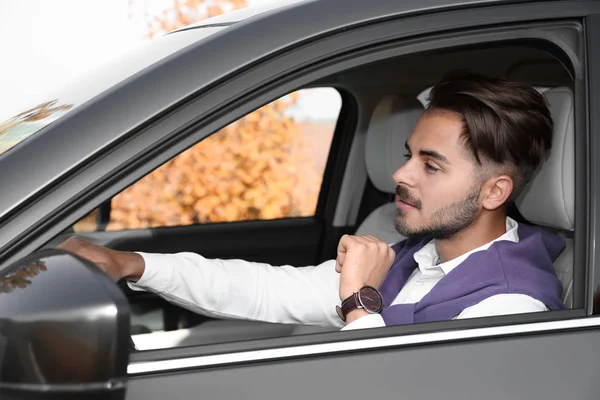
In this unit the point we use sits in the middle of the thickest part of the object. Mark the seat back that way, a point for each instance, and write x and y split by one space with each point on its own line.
549 199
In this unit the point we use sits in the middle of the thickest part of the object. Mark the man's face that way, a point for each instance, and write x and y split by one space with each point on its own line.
437 193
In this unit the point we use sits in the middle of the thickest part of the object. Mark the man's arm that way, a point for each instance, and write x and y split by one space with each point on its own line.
244 290
362 260
501 304
225 288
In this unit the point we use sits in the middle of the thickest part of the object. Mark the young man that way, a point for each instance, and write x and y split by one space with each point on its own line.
472 152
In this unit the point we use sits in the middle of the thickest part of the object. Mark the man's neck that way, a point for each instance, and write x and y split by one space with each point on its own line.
481 232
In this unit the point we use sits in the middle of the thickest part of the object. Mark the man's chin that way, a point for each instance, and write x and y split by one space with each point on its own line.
403 229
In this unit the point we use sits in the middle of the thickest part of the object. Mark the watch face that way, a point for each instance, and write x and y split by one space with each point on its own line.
370 299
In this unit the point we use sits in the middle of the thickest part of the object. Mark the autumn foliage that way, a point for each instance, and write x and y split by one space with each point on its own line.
252 169
255 168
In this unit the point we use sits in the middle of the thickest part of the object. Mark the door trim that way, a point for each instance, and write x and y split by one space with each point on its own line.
243 357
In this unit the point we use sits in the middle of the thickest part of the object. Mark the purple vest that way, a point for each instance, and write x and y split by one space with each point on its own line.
505 267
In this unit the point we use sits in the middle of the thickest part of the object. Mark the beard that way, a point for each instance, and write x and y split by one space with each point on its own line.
446 221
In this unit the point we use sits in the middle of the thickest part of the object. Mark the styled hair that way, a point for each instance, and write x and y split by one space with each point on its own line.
507 125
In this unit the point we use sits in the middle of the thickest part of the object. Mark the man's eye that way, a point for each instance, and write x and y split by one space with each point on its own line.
407 156
431 168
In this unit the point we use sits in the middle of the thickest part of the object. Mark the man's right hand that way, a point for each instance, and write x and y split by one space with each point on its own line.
116 264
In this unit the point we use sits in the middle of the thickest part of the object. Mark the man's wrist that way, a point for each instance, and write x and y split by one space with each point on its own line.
355 314
347 292
131 265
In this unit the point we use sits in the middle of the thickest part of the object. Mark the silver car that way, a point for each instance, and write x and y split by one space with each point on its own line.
67 331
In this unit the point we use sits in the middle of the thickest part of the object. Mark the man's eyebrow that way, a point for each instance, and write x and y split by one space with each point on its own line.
429 153
434 154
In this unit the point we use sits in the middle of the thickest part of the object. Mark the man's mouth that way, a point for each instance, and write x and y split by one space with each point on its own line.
404 201
404 206
398 199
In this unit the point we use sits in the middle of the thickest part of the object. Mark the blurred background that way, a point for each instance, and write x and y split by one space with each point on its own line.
267 165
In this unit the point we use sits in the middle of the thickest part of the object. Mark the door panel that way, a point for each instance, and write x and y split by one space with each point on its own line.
548 366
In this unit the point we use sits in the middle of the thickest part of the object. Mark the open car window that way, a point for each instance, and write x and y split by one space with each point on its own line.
149 333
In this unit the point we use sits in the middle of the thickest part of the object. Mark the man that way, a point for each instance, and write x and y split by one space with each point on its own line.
470 155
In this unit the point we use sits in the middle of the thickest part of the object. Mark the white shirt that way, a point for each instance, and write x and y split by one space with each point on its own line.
299 295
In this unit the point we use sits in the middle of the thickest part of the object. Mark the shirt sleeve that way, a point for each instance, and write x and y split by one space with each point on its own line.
503 304
244 290
367 321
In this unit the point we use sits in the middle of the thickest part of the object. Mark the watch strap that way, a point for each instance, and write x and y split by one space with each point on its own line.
349 304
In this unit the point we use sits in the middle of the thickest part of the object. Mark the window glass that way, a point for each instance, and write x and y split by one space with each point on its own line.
265 166
89 223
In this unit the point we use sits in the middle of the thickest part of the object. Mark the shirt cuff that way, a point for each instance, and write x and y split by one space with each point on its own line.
368 321
157 273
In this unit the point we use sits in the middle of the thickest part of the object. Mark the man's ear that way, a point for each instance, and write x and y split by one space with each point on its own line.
496 192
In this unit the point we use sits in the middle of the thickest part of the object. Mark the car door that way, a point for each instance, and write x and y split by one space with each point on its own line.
525 356
547 355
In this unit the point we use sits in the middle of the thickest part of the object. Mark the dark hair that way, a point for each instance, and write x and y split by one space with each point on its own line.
505 123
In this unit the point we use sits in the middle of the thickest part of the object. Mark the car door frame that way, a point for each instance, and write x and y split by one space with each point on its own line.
592 26
333 343
339 351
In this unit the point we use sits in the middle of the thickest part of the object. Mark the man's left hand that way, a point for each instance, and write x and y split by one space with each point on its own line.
362 260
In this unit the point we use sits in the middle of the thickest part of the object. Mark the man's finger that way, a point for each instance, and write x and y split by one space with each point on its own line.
339 261
373 239
70 244
338 267
345 241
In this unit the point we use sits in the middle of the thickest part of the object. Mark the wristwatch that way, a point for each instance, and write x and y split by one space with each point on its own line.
367 298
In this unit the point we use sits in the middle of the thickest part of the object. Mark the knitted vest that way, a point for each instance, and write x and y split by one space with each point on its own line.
505 267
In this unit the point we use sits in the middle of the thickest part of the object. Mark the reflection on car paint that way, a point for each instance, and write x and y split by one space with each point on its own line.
19 278
25 124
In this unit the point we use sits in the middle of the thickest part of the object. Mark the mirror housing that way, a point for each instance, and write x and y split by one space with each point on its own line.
64 330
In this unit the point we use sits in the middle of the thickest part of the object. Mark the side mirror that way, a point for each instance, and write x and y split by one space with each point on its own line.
64 330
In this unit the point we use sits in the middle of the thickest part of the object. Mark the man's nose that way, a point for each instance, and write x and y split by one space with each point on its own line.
404 175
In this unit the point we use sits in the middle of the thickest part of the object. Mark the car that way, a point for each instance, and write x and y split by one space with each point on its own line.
67 331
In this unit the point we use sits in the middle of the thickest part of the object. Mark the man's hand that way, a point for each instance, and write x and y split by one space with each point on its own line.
362 260
116 264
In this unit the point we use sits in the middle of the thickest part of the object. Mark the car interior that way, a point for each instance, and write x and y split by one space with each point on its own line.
389 98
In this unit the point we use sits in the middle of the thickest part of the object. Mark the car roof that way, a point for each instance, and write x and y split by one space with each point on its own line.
243 14
240 14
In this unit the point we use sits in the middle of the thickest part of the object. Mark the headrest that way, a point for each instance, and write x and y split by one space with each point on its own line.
390 127
549 199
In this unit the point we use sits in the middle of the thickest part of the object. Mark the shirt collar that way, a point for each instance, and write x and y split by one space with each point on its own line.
427 258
